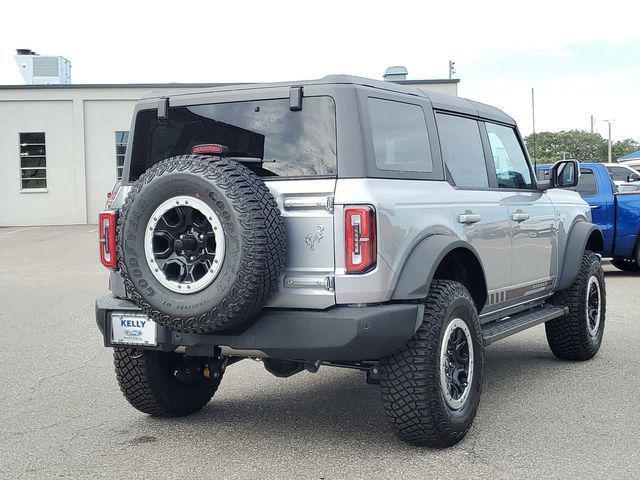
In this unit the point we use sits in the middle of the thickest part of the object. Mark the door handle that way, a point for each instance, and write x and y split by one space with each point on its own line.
520 216
595 207
469 218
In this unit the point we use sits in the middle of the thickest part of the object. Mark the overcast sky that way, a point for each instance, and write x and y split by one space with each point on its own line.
582 58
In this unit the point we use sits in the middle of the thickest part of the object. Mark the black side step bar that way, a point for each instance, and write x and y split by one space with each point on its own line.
499 329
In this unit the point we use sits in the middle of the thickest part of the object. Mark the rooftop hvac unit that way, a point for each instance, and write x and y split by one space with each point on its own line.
43 70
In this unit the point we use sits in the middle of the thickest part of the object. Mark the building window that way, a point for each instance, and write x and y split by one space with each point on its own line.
121 149
33 161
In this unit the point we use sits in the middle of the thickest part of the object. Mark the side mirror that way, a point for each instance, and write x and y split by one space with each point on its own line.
633 178
563 174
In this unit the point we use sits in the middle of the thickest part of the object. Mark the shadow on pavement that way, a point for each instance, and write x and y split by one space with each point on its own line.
332 407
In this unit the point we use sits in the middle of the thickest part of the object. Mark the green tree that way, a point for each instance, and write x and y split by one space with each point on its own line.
549 147
624 147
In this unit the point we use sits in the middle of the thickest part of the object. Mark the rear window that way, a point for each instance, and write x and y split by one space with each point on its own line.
265 135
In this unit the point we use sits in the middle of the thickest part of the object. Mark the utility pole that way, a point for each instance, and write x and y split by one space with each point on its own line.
533 121
591 123
452 69
609 141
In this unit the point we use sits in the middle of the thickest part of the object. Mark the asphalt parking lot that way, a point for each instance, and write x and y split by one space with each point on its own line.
62 414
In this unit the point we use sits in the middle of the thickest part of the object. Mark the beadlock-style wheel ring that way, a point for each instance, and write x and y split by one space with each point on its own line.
456 364
184 244
593 310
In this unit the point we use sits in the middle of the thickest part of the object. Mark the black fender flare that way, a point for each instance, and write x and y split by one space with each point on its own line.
577 241
422 263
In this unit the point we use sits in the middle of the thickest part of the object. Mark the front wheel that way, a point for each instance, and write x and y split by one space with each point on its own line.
431 387
165 384
578 335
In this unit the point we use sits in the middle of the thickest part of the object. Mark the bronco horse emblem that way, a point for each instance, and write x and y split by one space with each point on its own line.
311 239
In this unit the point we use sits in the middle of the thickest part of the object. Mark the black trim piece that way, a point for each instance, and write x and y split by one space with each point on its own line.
163 109
334 334
505 327
295 99
488 156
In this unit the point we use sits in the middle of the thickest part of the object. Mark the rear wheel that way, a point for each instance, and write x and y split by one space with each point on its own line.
578 336
431 387
166 384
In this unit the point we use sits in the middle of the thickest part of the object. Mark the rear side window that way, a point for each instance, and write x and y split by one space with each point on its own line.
587 184
512 169
265 135
462 150
620 174
400 138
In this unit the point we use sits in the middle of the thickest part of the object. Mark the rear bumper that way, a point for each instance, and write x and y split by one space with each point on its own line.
335 334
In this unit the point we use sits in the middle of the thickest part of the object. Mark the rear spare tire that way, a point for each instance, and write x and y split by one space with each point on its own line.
201 243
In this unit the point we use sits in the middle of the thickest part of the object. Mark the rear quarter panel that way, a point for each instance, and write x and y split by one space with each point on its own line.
407 211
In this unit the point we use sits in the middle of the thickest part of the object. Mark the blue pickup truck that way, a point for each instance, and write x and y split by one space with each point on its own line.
617 213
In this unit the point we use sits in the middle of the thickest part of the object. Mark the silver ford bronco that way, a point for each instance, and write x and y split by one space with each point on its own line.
339 222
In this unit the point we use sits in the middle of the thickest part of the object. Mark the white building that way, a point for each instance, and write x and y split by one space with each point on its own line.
61 146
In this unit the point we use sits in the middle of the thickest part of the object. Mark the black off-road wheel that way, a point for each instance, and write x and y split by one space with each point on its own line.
165 384
431 387
578 335
201 244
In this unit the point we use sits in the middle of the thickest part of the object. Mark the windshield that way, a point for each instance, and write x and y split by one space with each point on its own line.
265 135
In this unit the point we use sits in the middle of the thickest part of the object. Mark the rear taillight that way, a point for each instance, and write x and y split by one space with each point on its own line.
360 238
107 227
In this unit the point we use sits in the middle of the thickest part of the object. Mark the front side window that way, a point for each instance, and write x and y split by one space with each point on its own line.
511 165
121 150
400 138
33 161
264 135
462 150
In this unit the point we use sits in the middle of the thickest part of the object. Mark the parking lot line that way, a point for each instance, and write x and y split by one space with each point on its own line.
19 230
94 230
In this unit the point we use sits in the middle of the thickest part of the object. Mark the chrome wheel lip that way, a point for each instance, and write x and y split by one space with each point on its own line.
593 324
455 403
213 219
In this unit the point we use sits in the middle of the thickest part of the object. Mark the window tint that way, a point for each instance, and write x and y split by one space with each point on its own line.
512 169
587 185
265 135
462 150
400 139
619 174
33 161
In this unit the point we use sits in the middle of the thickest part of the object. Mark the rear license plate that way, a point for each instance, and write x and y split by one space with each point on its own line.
132 329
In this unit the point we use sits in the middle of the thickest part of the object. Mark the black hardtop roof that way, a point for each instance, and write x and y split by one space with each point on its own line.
440 101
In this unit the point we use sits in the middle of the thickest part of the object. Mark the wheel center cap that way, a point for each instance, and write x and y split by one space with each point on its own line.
187 244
